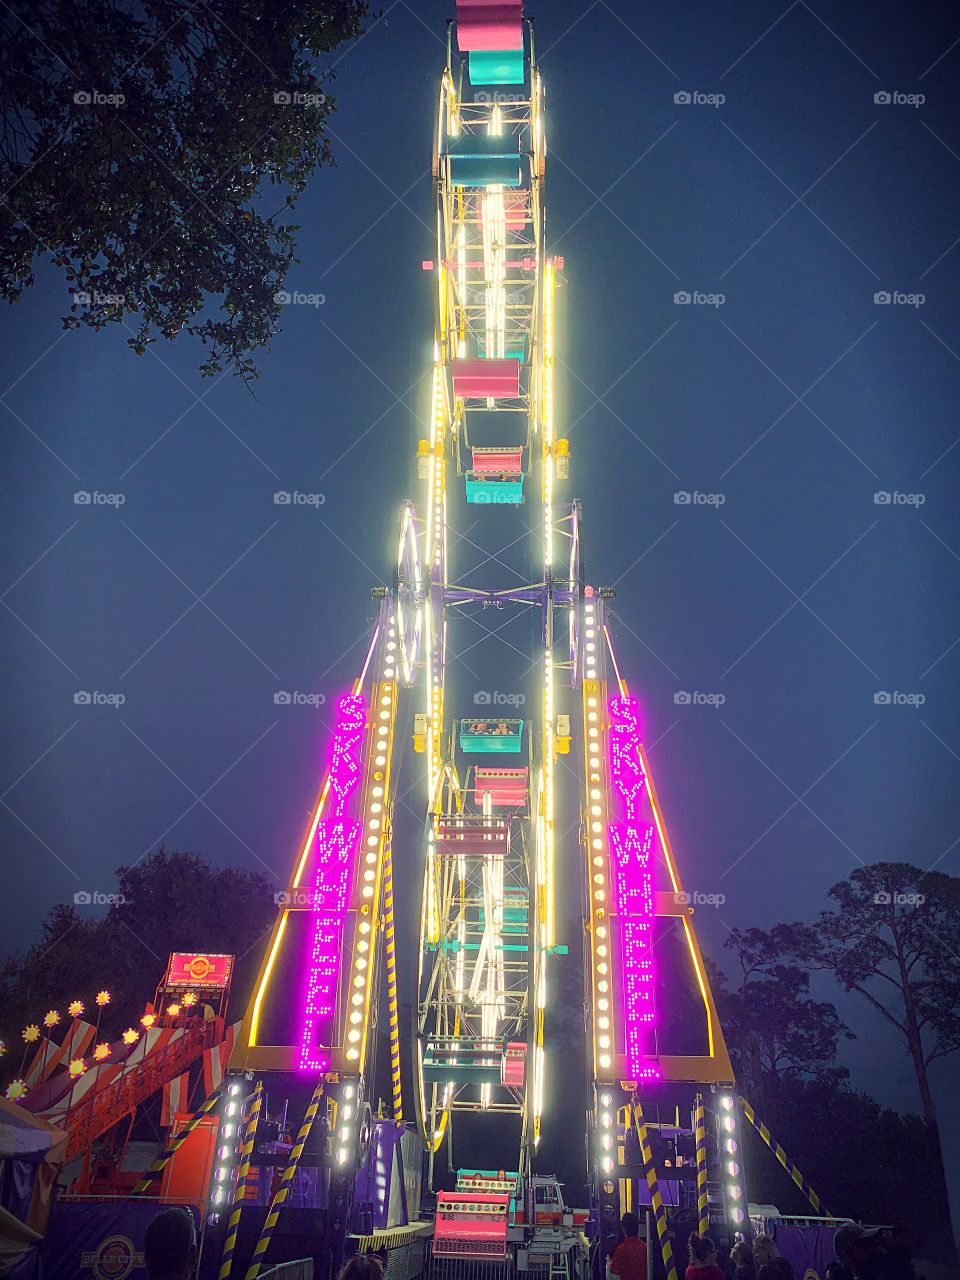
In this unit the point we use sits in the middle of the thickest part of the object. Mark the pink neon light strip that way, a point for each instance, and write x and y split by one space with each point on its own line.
338 836
632 841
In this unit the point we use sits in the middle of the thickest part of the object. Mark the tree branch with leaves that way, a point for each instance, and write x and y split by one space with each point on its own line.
139 146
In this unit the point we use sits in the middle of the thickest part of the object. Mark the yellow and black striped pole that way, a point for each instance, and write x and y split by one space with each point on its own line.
173 1146
653 1185
700 1133
390 947
239 1191
286 1181
819 1207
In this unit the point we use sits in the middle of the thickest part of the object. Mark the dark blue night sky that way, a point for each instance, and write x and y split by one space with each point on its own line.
798 598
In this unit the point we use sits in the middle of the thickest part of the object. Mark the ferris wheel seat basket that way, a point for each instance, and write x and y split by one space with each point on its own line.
482 24
513 1069
499 1181
483 159
495 67
481 379
516 210
511 352
493 171
507 787
491 736
483 490
513 915
461 1061
497 459
473 834
471 1224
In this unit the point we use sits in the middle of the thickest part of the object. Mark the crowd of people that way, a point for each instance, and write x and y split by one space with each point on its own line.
862 1253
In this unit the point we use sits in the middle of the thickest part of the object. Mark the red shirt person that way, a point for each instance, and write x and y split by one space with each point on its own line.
629 1260
703 1260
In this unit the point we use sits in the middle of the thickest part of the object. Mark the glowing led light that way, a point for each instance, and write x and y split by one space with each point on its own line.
337 838
726 1102
631 848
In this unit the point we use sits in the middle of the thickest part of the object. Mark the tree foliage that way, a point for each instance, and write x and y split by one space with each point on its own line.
139 146
894 939
773 1025
168 902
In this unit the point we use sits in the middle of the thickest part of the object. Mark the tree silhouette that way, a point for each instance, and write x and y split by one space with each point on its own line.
169 902
894 939
773 1025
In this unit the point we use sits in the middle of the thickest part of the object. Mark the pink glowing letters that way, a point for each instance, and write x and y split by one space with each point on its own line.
632 841
336 845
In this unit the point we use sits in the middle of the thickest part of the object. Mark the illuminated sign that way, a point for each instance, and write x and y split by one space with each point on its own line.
192 969
632 841
337 838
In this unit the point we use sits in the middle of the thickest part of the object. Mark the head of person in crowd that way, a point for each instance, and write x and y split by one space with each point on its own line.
742 1257
764 1250
703 1252
362 1266
170 1245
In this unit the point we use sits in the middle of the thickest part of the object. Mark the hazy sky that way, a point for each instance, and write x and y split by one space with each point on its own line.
784 397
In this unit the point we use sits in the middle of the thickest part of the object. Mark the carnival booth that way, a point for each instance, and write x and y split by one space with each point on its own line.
31 1153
